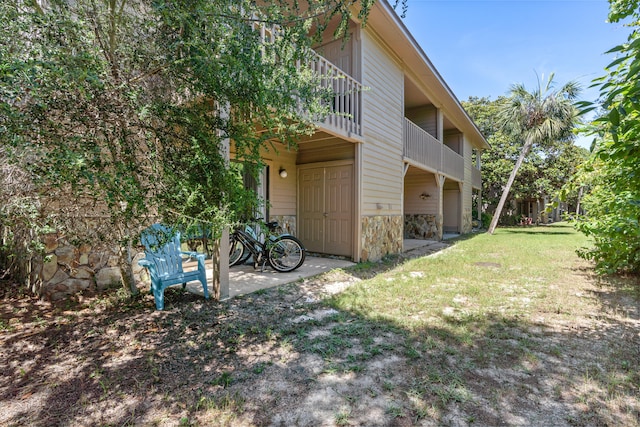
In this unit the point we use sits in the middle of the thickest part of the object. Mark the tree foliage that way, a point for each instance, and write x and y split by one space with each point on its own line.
539 117
544 171
613 172
114 112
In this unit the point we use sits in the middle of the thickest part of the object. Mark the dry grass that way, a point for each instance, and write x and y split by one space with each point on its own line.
511 329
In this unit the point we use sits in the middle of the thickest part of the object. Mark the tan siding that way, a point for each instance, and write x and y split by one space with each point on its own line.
415 185
425 117
343 54
282 191
326 151
454 141
467 189
382 122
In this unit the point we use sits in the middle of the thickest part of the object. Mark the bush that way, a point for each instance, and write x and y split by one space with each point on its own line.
486 219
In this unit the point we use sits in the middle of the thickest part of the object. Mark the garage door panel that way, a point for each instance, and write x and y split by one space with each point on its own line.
326 216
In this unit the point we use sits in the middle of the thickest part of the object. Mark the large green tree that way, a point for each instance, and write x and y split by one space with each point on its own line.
544 171
122 108
613 173
541 116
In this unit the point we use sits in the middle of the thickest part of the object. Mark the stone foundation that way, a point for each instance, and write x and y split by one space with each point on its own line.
467 221
287 222
420 226
67 270
381 235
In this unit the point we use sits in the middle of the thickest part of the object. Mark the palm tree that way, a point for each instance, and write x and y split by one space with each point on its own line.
537 117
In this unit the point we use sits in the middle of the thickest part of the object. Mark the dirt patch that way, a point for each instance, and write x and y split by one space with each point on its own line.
488 264
285 357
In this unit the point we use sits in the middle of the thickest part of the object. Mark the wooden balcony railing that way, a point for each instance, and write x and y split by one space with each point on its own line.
476 176
420 146
423 148
452 163
345 117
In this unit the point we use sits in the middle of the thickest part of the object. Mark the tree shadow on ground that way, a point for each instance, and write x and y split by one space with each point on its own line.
555 229
269 358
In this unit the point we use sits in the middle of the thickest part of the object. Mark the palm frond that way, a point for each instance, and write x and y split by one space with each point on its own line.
540 115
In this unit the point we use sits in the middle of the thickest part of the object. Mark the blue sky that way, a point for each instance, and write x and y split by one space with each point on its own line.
482 47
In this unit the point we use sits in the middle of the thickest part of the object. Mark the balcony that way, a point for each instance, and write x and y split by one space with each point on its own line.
452 163
476 176
424 150
345 118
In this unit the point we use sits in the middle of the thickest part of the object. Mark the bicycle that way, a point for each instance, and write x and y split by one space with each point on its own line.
283 253
257 229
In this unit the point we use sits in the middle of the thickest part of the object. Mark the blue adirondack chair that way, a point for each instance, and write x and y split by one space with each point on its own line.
163 259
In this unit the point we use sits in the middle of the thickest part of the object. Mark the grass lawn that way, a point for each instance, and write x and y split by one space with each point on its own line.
509 276
509 329
507 305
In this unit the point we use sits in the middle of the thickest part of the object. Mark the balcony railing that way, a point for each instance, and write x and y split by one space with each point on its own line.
452 163
424 149
420 146
476 176
345 117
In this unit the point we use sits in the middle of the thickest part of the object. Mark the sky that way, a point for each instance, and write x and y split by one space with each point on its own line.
482 47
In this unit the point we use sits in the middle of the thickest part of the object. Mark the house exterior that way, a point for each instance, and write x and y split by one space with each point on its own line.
398 159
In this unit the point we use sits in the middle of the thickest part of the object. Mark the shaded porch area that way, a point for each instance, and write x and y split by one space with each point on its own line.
243 279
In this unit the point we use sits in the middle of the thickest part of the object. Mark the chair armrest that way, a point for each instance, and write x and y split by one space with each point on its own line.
196 255
150 266
145 263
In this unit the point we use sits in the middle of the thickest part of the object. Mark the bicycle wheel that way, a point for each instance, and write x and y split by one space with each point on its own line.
286 253
237 252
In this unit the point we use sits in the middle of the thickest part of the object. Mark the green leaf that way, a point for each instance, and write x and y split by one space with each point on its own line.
617 61
615 49
614 117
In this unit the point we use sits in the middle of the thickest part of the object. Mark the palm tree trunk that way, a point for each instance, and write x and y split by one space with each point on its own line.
496 216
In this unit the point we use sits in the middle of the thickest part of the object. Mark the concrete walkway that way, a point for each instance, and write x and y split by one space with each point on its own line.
411 244
243 279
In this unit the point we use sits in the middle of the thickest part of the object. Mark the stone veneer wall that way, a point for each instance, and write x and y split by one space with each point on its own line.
287 222
420 226
67 270
467 221
381 235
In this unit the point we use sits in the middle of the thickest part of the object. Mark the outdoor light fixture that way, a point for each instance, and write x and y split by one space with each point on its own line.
424 196
282 172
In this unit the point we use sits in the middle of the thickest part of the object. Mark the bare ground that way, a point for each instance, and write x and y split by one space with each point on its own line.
283 357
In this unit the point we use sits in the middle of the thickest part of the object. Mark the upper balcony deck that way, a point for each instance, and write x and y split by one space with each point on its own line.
424 150
345 116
